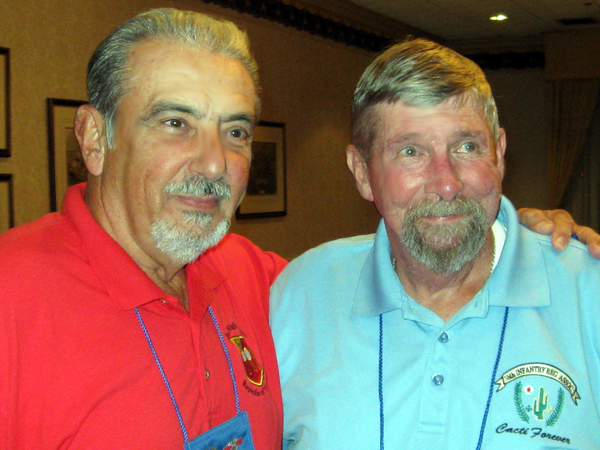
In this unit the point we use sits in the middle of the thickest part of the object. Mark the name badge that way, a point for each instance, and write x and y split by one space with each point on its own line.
235 434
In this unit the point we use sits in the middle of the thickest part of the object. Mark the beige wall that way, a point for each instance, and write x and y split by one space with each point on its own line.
307 82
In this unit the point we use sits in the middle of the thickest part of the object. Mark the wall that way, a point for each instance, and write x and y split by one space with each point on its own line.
523 100
307 82
573 54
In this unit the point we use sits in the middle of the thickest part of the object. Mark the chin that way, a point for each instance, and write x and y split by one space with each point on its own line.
185 245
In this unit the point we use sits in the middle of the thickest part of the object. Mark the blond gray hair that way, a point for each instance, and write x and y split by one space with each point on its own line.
417 72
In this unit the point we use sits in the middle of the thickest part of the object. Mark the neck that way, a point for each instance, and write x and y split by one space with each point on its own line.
445 293
175 286
168 276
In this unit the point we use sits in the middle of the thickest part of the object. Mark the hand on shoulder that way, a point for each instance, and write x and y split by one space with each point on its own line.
561 225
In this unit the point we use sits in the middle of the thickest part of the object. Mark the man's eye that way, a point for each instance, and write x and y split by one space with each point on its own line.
174 123
409 151
468 147
238 133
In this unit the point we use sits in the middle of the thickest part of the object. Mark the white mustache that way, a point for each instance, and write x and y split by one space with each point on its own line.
199 187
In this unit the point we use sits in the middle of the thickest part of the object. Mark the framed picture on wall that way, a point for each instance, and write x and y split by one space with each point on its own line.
64 158
6 203
266 193
4 102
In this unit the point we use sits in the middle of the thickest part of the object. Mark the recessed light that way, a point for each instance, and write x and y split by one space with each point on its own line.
499 17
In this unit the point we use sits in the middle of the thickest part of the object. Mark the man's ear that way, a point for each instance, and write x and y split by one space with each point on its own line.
89 130
358 167
501 150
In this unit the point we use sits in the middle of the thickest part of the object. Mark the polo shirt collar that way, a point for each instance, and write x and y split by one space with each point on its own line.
519 279
379 290
125 282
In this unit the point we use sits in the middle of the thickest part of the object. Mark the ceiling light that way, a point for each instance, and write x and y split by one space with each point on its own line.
499 17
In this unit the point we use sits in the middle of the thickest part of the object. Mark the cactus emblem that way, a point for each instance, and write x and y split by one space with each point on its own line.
531 401
540 405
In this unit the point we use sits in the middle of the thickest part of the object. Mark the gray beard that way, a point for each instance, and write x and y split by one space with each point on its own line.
183 245
445 248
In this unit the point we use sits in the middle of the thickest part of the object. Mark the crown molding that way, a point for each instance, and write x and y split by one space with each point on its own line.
337 20
360 17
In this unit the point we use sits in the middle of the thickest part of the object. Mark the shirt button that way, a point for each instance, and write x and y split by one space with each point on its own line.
437 379
443 337
207 374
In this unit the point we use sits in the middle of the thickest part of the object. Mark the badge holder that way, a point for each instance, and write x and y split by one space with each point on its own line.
235 434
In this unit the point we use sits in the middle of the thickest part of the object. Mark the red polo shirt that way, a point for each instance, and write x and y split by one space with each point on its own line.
76 369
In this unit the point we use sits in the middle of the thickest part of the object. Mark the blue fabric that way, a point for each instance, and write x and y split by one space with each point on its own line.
232 435
324 314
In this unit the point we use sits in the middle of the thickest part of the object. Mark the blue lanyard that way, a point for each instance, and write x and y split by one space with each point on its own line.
164 377
489 400
491 390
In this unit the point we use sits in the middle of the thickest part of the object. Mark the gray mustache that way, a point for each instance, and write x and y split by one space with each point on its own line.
443 208
199 186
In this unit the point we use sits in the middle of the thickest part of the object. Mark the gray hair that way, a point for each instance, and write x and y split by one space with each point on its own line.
107 69
417 72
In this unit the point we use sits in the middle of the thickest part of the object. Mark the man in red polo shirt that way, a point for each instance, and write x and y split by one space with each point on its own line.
115 333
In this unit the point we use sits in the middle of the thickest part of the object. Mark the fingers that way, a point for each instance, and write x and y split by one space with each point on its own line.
536 220
562 226
589 237
557 222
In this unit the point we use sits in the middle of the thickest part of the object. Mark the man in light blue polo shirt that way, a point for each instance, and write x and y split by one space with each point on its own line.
452 327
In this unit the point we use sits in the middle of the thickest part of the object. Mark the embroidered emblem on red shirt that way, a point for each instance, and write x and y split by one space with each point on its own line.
254 371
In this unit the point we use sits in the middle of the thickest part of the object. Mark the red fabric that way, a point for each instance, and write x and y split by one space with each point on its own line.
76 369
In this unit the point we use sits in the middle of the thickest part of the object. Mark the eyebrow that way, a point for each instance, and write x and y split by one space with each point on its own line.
481 136
461 134
240 117
162 107
159 108
400 140
406 137
469 133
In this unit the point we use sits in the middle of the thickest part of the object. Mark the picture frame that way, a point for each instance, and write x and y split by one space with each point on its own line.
266 193
4 102
65 162
7 220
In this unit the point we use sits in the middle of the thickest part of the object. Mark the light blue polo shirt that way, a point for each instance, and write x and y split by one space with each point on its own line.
437 376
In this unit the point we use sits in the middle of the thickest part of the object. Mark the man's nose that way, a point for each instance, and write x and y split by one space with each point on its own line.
443 179
209 154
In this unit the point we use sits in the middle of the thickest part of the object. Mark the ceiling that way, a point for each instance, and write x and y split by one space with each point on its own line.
464 20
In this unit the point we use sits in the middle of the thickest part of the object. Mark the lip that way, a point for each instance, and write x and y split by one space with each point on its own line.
206 203
443 220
